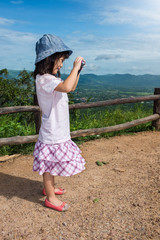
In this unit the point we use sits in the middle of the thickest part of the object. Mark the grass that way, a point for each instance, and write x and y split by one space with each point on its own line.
23 124
17 125
86 120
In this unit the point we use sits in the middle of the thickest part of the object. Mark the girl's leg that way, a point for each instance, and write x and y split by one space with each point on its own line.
48 181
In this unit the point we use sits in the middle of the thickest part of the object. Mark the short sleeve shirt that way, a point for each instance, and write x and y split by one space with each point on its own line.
55 127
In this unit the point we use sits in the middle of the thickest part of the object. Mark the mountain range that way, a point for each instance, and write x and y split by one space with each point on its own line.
110 81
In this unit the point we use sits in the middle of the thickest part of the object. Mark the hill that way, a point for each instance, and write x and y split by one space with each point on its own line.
124 81
116 81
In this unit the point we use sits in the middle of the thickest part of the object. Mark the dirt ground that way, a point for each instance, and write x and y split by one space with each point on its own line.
116 201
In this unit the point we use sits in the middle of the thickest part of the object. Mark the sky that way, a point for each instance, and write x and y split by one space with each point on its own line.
113 36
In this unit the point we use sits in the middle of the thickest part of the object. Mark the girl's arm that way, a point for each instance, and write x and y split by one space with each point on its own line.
75 85
72 80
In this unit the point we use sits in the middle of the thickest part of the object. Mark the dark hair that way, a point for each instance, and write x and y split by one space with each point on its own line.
47 64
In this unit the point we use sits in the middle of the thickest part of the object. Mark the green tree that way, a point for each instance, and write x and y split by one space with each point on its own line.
16 91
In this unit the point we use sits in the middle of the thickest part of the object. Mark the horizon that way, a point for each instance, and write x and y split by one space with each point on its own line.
114 37
93 73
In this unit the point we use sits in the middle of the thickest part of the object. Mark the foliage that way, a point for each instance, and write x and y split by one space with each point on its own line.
104 117
16 125
16 91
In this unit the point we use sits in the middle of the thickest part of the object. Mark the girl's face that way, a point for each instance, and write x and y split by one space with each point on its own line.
58 65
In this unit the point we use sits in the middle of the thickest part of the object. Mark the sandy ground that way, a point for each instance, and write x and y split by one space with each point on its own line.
116 201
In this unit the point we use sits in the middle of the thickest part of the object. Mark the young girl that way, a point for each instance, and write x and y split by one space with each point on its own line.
55 153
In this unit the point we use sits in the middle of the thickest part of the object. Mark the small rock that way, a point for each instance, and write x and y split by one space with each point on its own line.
119 169
134 204
105 162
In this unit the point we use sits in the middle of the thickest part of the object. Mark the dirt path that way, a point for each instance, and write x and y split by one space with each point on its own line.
116 201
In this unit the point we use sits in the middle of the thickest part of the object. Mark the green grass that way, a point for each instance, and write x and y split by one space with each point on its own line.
23 124
16 125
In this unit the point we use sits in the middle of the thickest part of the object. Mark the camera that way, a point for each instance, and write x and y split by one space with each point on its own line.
82 65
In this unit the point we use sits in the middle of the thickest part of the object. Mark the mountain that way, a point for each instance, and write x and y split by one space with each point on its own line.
13 73
112 81
120 81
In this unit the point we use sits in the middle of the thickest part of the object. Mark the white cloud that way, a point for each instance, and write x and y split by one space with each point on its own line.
108 57
18 38
5 21
16 2
139 50
133 46
17 49
136 51
135 54
143 15
91 68
132 16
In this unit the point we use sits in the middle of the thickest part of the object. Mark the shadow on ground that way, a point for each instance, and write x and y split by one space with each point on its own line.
13 186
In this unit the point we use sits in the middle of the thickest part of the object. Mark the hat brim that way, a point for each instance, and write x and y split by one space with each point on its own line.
48 53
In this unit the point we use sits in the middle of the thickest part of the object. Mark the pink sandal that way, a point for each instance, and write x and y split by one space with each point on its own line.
63 207
59 192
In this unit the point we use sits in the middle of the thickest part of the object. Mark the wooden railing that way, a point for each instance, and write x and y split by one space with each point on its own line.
155 117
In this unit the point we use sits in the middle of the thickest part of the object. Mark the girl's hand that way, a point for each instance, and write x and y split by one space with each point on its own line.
77 62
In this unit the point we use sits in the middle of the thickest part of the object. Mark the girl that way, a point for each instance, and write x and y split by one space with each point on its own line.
55 153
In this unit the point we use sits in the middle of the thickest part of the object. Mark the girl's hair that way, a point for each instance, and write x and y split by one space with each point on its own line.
47 64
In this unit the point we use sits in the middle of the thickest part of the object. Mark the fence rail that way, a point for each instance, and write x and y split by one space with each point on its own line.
17 109
155 118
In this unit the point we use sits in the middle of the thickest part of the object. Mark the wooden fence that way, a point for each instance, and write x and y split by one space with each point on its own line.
155 117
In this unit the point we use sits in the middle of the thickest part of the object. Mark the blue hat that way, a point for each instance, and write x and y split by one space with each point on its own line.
48 45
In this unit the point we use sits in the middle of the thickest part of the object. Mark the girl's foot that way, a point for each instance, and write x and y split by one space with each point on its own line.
56 205
57 191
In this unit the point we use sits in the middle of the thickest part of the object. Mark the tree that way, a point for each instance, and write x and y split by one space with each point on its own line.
16 91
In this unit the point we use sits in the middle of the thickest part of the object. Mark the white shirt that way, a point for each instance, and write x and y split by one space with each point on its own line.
55 127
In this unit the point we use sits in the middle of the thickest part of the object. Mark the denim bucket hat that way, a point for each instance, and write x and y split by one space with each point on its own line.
48 45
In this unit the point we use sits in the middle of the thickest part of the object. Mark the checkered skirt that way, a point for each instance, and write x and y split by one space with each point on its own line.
62 159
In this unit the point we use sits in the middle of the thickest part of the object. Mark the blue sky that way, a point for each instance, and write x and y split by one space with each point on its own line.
114 36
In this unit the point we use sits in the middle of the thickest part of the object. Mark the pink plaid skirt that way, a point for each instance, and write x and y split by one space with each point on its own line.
62 159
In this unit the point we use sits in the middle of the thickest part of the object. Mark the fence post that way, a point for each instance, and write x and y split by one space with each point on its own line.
156 109
37 115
